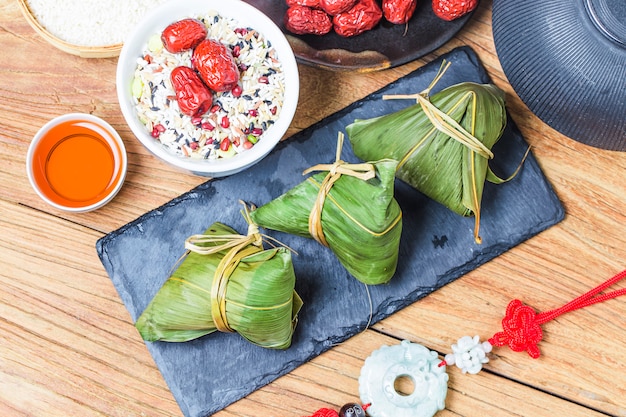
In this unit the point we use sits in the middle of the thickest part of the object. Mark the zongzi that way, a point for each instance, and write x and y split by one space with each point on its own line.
226 282
442 143
350 208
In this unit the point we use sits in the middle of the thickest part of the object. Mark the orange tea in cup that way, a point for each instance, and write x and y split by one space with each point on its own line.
77 162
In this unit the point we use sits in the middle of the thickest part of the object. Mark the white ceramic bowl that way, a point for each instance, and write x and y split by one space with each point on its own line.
76 162
247 16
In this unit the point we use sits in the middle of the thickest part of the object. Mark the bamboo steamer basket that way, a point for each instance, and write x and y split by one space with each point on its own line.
105 51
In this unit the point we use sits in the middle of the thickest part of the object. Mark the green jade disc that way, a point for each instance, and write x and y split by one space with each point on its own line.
382 369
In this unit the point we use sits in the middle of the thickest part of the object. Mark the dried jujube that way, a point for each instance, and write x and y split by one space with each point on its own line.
193 97
399 11
216 65
362 17
183 34
333 7
303 20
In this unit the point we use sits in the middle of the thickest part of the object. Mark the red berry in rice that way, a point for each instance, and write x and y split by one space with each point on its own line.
225 123
193 146
253 113
263 79
207 126
157 130
236 91
225 144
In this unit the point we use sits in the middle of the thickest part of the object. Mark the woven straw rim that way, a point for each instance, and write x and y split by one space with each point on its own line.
106 51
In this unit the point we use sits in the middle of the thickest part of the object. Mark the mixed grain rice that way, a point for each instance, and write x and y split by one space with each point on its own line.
262 80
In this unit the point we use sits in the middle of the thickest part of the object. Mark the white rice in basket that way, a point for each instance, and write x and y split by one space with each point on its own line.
242 120
90 22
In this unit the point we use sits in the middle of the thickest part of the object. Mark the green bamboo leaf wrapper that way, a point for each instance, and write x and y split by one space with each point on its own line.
431 161
361 220
261 303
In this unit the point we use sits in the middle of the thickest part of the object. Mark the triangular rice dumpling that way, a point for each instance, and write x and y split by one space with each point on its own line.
232 284
442 143
359 219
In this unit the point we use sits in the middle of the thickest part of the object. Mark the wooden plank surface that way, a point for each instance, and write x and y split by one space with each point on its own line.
68 347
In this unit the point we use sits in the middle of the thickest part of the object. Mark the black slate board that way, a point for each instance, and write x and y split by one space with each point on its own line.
437 247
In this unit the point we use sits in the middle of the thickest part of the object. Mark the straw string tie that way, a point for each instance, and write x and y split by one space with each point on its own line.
364 171
237 247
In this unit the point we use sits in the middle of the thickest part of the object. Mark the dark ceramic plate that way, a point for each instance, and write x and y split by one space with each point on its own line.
436 248
566 59
385 46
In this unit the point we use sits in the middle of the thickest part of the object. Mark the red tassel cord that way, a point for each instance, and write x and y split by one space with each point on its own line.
325 412
522 326
522 329
348 410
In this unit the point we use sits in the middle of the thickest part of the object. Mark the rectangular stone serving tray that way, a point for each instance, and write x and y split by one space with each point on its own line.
437 247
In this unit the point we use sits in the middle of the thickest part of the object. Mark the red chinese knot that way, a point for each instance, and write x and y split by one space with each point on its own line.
522 326
521 330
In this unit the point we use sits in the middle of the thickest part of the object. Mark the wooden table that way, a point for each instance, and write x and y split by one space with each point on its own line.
69 348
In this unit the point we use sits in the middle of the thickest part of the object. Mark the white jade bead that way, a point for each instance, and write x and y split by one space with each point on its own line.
469 354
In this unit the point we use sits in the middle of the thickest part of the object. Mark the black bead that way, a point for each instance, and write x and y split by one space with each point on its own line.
352 410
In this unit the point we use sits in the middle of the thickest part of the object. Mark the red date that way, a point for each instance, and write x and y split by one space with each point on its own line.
399 11
303 20
182 35
315 4
364 16
216 65
193 97
333 7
